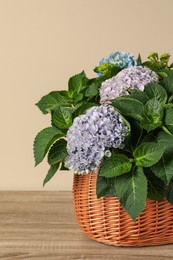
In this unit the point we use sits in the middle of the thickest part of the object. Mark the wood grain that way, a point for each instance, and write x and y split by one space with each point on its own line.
41 225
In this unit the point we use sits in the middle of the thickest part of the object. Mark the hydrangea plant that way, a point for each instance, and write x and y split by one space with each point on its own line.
118 124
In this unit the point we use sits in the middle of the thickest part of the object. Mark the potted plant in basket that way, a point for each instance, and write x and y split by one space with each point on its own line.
115 132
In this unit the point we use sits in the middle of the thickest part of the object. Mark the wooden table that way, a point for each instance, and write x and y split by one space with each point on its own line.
41 225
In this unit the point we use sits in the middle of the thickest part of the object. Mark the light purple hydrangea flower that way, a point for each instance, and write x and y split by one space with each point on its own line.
90 134
136 77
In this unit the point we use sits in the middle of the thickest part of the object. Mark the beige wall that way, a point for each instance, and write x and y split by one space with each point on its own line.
43 43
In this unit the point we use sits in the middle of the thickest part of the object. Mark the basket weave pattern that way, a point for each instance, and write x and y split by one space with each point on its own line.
104 219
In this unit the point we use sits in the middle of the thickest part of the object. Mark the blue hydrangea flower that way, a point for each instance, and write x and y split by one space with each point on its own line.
136 77
90 135
120 59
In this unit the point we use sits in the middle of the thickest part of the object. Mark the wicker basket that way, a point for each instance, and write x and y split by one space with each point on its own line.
104 219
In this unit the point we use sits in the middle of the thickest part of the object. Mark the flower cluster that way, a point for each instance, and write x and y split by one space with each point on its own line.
120 59
100 128
136 77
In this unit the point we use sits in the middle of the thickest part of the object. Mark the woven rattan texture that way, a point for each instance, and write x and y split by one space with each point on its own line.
104 219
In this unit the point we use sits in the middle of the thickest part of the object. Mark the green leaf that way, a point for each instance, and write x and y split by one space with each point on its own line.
169 192
106 69
102 68
115 165
139 95
147 125
167 83
139 59
78 97
51 172
149 138
62 117
137 129
43 141
109 72
170 100
164 168
154 90
83 108
168 120
153 56
105 187
53 100
76 84
156 187
157 63
148 154
167 72
63 168
129 107
169 105
92 90
132 192
162 74
166 130
57 152
151 65
153 113
164 59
